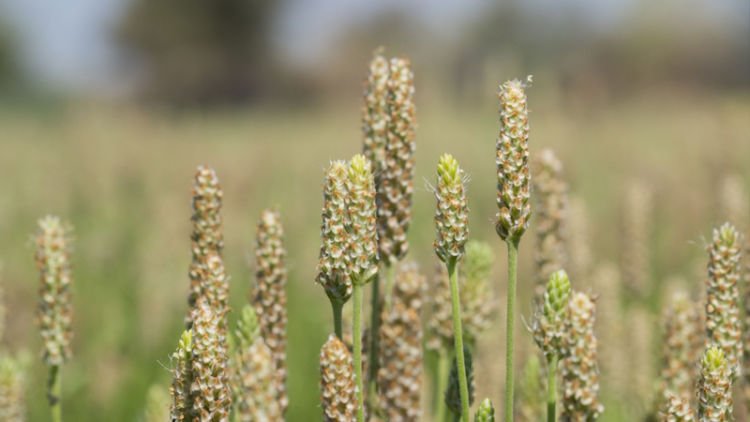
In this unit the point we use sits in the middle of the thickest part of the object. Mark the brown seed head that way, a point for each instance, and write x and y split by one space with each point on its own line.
337 386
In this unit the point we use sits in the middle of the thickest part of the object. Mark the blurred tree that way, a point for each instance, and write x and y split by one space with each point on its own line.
195 52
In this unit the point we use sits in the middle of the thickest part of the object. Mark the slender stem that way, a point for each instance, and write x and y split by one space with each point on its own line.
357 333
459 340
444 363
551 388
372 361
510 330
389 284
337 307
54 392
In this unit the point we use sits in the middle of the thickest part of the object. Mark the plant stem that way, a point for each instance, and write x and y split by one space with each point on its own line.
357 334
337 307
444 363
372 367
551 388
510 329
458 340
54 392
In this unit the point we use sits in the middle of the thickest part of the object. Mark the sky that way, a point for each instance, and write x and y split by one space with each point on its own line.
68 44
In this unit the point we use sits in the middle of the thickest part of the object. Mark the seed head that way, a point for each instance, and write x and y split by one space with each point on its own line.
12 387
677 409
513 162
549 323
333 266
452 212
375 115
363 246
551 200
723 325
400 371
485 412
255 379
55 310
181 409
580 373
269 295
636 231
715 387
395 182
337 386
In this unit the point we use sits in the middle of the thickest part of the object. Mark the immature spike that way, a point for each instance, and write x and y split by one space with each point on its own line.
551 201
55 309
337 386
333 265
453 393
723 325
181 409
636 230
400 374
452 212
580 374
12 387
157 404
363 247
682 344
485 412
396 180
269 294
210 387
677 409
255 379
715 387
512 161
548 325
375 116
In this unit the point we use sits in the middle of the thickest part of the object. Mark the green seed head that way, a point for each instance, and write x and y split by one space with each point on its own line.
557 295
549 322
363 246
247 326
485 412
452 213
715 387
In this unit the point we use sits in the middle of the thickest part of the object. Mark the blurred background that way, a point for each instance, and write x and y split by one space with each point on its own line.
107 107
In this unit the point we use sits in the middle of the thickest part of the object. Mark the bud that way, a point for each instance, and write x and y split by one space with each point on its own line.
485 412
549 324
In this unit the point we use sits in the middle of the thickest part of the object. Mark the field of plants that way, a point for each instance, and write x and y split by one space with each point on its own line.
221 265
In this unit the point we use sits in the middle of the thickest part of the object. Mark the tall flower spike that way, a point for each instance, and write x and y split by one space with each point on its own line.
206 237
255 380
215 288
210 385
333 268
677 409
513 162
636 230
400 374
723 325
55 310
485 412
551 201
396 180
375 115
683 341
181 409
452 212
269 294
715 387
12 387
337 386
580 374
363 247
549 322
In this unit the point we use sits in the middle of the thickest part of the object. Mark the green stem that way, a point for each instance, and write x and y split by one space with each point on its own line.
55 392
337 307
551 388
372 367
458 340
357 333
444 363
510 330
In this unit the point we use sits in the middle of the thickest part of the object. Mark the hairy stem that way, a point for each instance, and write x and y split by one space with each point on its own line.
510 330
444 364
357 334
54 392
551 388
337 307
458 341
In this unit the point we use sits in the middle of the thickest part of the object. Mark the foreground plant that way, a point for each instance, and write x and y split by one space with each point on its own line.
55 310
452 229
269 294
338 390
513 188
549 331
715 387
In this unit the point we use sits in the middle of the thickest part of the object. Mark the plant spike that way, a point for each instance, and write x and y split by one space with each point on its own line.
715 387
375 115
677 409
485 412
337 385
269 294
181 409
514 209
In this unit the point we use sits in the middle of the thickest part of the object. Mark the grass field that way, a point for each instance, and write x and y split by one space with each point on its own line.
122 177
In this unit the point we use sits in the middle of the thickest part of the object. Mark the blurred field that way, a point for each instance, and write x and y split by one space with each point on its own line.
122 177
